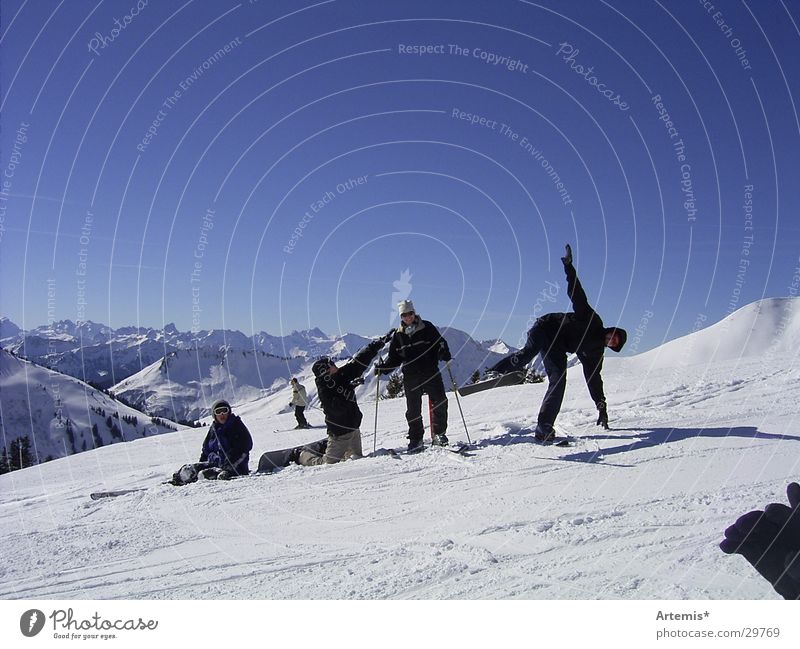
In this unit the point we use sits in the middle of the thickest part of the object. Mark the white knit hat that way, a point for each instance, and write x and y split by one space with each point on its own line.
404 306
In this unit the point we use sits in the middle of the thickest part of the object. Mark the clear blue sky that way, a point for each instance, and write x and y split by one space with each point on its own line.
161 165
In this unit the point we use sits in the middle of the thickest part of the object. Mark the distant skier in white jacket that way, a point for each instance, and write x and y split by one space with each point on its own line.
299 401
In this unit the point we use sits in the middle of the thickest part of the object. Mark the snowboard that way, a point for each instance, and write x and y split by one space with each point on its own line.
512 378
97 495
384 452
272 460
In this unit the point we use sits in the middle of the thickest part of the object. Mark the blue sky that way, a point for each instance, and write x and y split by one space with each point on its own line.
284 165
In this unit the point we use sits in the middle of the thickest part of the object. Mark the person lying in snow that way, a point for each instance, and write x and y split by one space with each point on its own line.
770 541
226 449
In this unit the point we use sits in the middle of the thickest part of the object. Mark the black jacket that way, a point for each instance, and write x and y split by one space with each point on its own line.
337 394
419 352
580 332
228 447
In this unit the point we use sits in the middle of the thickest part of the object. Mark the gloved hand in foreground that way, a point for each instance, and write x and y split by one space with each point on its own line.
770 541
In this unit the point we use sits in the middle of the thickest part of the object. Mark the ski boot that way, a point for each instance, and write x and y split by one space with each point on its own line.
542 434
415 446
440 439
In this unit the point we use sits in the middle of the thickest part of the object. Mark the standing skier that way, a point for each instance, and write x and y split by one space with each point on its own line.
418 346
556 334
336 389
299 401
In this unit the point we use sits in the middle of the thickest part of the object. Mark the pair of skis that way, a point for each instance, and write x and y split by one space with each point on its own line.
460 448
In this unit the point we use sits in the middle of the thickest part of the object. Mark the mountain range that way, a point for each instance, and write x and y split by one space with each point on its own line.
167 374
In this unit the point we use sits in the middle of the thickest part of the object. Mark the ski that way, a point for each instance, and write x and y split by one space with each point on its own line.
460 448
558 441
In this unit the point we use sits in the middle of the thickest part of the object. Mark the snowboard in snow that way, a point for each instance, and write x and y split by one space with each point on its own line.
97 495
272 460
512 378
381 452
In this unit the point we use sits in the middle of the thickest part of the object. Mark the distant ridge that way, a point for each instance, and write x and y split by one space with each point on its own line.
769 326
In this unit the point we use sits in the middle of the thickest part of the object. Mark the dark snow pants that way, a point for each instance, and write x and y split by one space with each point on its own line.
434 388
300 416
555 365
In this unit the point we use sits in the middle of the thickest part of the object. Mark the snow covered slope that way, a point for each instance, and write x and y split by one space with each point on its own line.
58 412
765 329
635 512
184 384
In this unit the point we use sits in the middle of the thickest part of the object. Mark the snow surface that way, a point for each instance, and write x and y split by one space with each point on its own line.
631 513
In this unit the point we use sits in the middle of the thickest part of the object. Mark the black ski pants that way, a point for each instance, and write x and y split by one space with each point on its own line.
555 365
300 416
434 388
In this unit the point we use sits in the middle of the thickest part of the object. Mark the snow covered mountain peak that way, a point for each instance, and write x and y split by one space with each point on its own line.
764 328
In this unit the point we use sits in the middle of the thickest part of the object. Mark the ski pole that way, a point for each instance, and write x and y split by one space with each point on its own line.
458 401
377 398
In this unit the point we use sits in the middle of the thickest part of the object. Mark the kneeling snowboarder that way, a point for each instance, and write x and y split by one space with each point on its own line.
556 334
336 389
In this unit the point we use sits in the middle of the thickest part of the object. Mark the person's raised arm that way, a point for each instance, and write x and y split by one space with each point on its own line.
580 304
